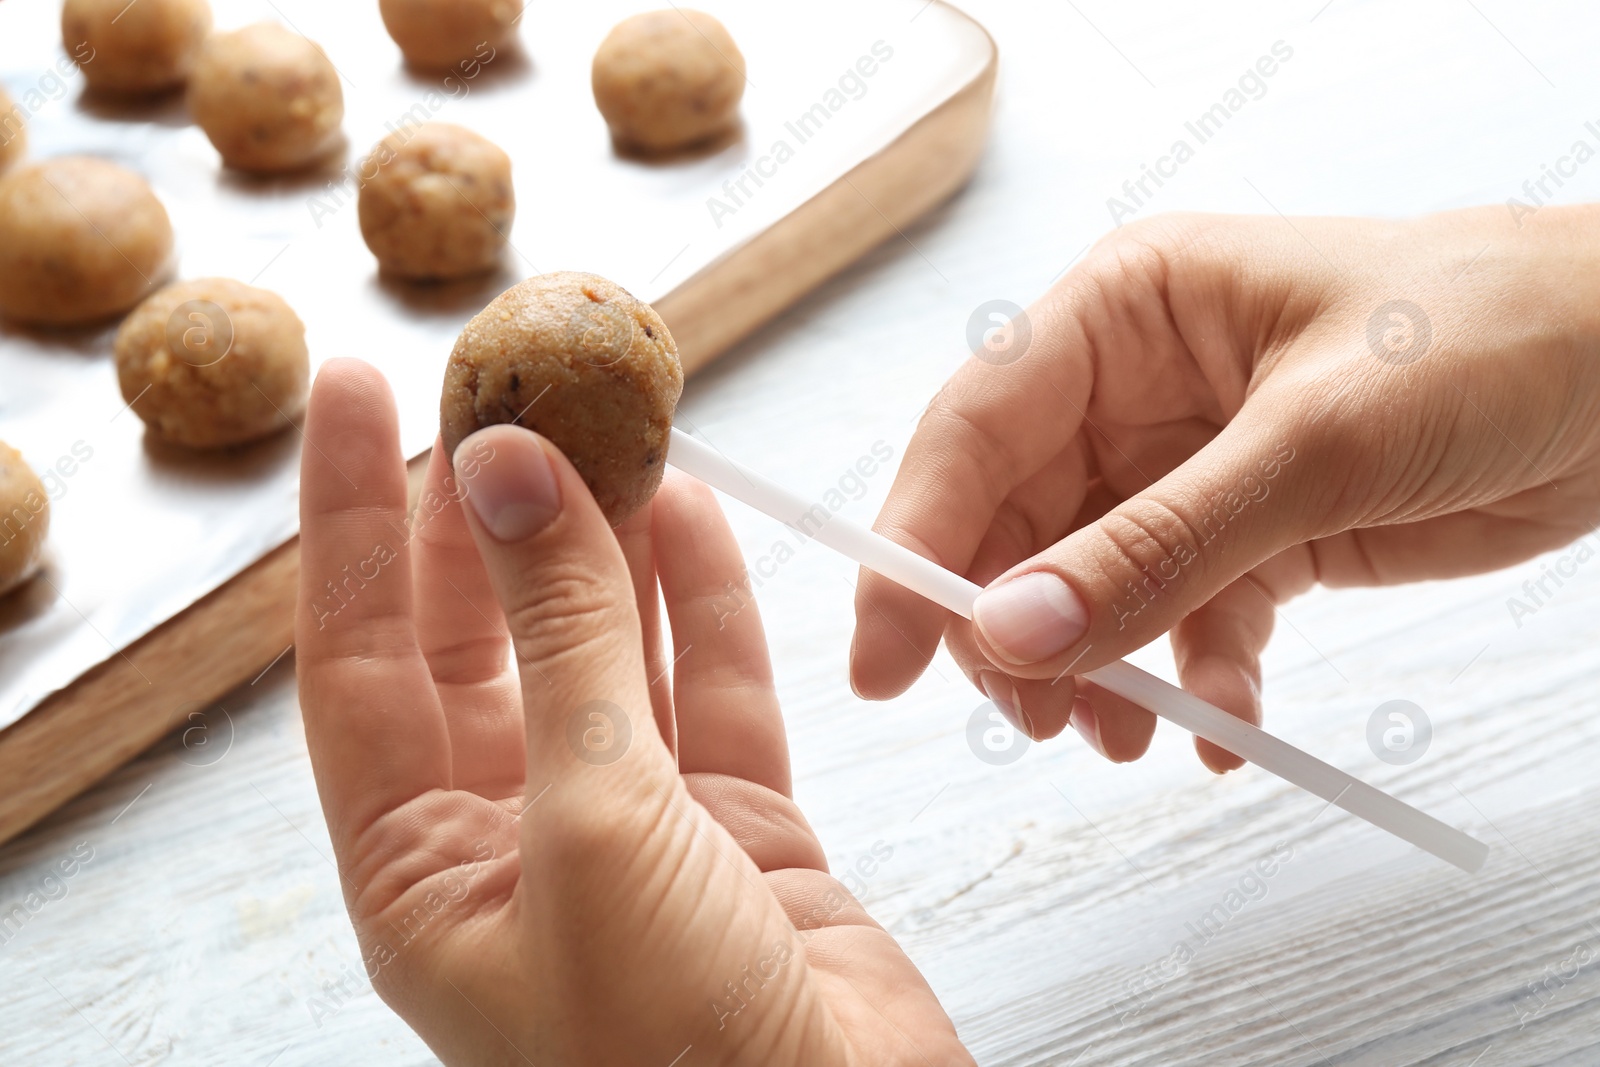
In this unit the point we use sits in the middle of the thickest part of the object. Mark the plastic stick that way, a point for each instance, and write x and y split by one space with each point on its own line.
899 564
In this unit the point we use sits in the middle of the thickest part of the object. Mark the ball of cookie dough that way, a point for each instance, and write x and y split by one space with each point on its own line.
443 33
268 98
436 202
578 360
213 362
144 47
24 519
80 239
668 79
13 131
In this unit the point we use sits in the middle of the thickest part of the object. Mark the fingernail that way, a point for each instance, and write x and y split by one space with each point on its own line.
514 493
1087 723
1031 617
1003 695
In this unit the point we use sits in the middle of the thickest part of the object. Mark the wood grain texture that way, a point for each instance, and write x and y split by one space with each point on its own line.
76 736
81 734
1040 899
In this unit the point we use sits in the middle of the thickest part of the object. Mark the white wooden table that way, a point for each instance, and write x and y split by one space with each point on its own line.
1044 899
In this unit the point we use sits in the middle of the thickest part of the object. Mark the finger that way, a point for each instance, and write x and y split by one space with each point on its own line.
770 828
634 535
463 636
1123 581
1113 726
374 727
568 598
1218 651
1025 523
462 632
991 428
727 708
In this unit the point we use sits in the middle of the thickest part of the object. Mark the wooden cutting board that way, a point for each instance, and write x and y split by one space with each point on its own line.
126 703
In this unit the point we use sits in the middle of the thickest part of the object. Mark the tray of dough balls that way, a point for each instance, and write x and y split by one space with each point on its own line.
199 203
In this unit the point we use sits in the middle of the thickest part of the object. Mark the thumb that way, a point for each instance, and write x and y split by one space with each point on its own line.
561 577
1124 580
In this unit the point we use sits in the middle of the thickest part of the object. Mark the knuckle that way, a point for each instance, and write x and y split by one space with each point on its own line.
1147 247
569 612
468 659
1155 539
1119 293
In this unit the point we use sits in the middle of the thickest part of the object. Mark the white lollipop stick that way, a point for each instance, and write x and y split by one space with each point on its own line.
899 564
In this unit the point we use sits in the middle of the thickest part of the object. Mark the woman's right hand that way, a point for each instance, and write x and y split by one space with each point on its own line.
1213 414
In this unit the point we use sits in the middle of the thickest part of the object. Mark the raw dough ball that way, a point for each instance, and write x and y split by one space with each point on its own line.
143 47
223 362
268 98
13 131
443 33
577 359
436 202
80 239
666 79
24 519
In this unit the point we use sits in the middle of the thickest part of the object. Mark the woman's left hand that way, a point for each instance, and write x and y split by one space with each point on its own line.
560 857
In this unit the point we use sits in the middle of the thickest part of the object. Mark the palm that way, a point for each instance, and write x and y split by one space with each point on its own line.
654 897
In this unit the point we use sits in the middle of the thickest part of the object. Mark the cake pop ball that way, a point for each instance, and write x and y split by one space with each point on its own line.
668 79
144 47
24 519
81 239
268 99
439 34
213 362
436 202
580 361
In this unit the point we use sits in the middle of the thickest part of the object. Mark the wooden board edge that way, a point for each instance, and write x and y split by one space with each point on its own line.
122 706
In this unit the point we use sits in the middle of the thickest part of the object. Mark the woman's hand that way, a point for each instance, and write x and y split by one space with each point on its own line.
565 858
1215 413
